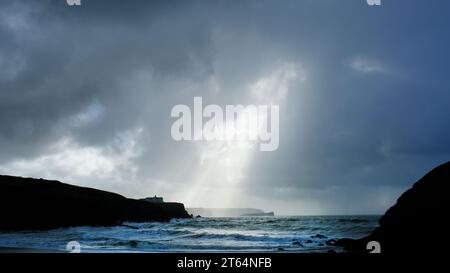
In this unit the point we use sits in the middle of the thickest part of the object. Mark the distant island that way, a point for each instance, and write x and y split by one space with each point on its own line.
38 204
259 214
228 212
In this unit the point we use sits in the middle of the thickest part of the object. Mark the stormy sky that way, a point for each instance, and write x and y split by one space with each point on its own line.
86 95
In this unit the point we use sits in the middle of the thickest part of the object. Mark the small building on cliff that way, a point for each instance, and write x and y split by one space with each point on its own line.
154 199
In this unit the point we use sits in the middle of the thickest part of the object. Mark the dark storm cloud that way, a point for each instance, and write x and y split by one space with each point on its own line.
73 58
369 118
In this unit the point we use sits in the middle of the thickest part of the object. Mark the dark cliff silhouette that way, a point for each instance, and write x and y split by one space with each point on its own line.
418 222
36 204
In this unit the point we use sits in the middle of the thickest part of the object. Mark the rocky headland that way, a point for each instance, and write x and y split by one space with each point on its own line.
38 204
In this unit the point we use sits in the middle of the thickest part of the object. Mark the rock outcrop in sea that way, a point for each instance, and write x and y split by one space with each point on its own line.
417 223
38 204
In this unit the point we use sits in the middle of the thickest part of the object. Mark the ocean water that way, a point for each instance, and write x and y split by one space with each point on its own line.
266 234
